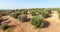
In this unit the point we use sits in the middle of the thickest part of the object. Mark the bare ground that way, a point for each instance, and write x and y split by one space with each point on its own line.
20 26
25 27
54 23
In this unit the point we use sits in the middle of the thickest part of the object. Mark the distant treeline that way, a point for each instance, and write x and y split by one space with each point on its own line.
22 11
31 9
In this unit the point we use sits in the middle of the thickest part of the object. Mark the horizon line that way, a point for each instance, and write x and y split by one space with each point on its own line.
23 8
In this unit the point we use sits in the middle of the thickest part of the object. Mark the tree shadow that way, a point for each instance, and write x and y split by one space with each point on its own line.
46 24
27 20
5 27
49 16
51 13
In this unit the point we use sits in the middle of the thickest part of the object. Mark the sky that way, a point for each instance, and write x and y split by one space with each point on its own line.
18 4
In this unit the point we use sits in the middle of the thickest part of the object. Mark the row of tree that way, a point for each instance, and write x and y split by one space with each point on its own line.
37 20
21 14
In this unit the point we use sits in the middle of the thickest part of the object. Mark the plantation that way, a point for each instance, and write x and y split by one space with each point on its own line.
37 18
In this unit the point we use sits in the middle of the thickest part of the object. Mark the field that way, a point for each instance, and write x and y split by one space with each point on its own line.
30 20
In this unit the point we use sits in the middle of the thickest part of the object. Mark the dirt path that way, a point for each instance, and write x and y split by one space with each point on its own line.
54 23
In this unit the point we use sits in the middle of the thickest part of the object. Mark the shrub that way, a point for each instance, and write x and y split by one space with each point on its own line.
15 15
25 12
0 16
22 17
11 11
59 15
44 14
33 13
4 27
58 11
8 30
49 11
37 21
4 13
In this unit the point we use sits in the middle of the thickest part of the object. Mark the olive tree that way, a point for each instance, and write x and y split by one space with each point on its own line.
25 12
59 15
0 16
4 26
49 11
37 21
33 13
44 14
15 15
22 17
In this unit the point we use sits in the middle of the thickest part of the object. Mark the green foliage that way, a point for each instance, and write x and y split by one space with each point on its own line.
0 16
58 13
4 12
15 15
44 14
49 11
25 12
59 16
37 21
8 30
22 17
11 11
33 13
3 26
